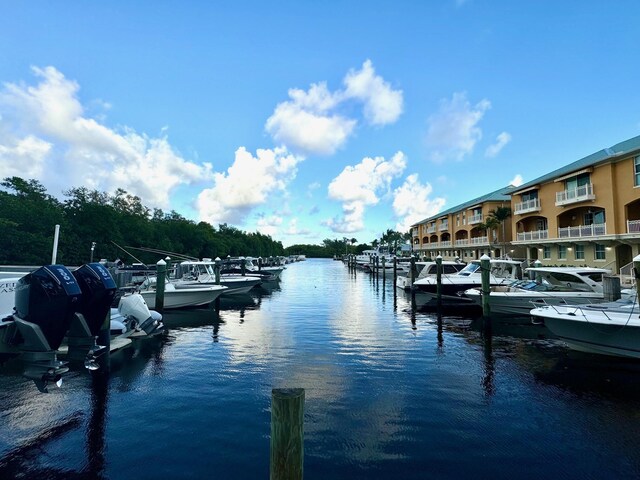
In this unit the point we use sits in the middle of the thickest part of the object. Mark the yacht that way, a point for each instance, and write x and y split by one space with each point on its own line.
189 274
427 269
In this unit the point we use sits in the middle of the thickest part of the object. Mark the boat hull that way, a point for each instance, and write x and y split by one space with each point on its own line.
520 303
185 297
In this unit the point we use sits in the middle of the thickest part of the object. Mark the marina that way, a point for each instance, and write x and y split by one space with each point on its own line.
391 392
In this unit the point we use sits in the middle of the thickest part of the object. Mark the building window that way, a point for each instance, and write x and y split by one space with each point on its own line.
579 252
532 195
562 252
591 218
546 254
636 171
577 181
599 252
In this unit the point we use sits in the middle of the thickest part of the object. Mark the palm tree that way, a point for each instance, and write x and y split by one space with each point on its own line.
489 225
501 214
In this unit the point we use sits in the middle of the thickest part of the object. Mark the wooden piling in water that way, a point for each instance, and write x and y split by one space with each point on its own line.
439 283
384 271
412 279
395 270
287 434
636 274
161 273
104 339
485 272
611 288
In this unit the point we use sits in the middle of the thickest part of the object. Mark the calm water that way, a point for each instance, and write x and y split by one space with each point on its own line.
388 395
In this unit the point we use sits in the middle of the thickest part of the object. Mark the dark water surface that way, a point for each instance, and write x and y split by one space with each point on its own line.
389 395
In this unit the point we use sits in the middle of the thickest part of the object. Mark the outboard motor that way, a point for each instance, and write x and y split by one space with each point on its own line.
135 308
98 291
45 303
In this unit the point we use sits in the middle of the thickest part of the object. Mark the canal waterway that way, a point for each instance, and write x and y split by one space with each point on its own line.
390 394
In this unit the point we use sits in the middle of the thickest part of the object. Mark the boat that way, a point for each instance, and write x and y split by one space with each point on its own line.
247 266
367 257
609 328
427 269
453 286
133 318
550 286
189 274
179 297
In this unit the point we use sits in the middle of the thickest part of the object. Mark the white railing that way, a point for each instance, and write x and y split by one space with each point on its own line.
580 194
475 219
633 226
532 205
444 244
533 235
463 242
414 231
431 229
627 278
444 226
593 230
479 240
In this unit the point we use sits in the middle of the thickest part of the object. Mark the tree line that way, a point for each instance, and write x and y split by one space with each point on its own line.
28 215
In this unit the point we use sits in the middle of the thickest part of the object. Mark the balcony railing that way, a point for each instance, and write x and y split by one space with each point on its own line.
414 232
633 226
533 235
444 226
479 240
593 230
431 229
527 206
462 242
475 219
580 194
445 244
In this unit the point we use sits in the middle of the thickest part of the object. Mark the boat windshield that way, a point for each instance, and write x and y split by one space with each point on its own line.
469 269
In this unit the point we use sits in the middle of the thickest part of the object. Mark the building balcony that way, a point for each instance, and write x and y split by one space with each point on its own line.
431 229
475 219
528 206
633 226
414 232
594 230
444 244
444 226
533 235
463 242
479 240
575 195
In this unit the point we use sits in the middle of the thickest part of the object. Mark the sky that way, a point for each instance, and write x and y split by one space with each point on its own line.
311 120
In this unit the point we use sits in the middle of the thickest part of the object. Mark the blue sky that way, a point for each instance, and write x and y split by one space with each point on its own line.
311 120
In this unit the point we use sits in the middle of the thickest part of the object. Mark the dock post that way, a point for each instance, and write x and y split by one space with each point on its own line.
104 339
636 274
259 264
395 270
287 434
243 267
168 260
216 272
485 271
377 267
532 273
161 274
611 288
412 279
439 283
384 271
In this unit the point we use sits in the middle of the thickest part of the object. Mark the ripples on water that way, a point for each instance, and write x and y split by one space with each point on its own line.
389 394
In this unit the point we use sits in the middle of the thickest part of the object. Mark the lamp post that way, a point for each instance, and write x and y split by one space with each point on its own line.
93 247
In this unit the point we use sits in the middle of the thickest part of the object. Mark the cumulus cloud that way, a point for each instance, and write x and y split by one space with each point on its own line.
517 181
46 127
269 225
310 122
501 141
412 203
358 187
453 130
293 229
248 182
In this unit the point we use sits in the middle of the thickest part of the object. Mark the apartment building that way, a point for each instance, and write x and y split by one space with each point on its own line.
459 231
585 213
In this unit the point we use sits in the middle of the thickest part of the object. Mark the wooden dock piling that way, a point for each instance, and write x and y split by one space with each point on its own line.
161 273
287 434
104 339
611 288
485 272
636 273
439 283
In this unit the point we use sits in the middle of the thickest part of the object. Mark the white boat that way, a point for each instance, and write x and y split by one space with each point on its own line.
453 286
250 267
427 269
191 274
180 297
550 286
611 328
367 257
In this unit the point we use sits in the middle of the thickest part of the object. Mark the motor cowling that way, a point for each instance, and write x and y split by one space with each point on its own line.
98 291
48 297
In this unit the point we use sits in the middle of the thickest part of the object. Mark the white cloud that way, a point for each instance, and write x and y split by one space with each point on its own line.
411 203
358 186
310 121
269 225
293 228
501 141
382 104
45 126
247 183
517 181
453 130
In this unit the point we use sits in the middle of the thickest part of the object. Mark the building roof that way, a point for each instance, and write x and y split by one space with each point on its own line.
601 156
501 195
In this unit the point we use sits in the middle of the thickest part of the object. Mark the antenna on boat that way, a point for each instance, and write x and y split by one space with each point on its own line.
129 253
165 252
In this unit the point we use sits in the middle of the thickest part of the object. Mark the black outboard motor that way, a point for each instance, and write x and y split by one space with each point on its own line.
45 303
98 291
